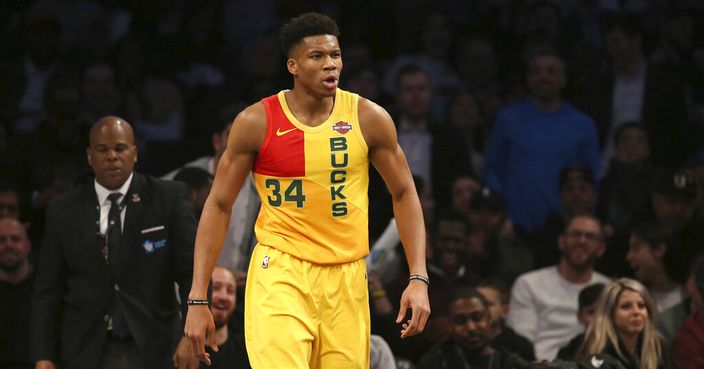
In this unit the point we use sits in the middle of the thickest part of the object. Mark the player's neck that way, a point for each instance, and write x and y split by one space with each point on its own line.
309 109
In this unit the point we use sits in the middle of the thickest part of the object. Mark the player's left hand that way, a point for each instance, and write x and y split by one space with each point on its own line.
183 358
414 297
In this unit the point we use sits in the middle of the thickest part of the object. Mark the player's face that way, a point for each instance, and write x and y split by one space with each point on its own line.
316 63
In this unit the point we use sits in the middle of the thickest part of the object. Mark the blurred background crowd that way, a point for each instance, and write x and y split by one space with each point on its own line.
516 116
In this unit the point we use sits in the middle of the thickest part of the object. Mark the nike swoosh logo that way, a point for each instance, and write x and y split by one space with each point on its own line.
279 132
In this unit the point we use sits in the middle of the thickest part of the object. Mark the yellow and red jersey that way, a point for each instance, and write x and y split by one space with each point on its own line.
313 183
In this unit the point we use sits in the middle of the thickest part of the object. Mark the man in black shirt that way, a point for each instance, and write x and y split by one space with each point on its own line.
468 345
15 294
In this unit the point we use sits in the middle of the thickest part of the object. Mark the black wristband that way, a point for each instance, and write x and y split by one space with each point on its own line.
419 277
197 302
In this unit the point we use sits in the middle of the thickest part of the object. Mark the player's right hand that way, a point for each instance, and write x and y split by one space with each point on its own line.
199 327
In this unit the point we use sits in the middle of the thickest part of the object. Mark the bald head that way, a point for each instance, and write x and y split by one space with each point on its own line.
112 153
105 125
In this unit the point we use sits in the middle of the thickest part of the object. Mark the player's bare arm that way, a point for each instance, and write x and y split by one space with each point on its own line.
388 159
246 136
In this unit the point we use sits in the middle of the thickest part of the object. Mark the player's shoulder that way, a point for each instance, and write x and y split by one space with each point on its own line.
252 114
377 126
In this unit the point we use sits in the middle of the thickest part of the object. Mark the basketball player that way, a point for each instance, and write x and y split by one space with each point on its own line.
309 149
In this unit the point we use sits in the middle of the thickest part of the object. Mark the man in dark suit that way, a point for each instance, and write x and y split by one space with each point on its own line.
104 294
636 91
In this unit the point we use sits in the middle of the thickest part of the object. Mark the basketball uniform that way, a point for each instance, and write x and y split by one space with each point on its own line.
306 300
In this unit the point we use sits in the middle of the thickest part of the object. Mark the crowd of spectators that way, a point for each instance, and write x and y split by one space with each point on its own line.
555 144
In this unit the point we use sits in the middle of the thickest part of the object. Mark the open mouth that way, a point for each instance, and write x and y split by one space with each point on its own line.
330 82
11 256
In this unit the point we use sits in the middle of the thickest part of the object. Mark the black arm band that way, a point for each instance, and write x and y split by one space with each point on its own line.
419 277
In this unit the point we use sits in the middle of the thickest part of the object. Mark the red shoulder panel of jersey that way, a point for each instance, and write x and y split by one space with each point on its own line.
282 153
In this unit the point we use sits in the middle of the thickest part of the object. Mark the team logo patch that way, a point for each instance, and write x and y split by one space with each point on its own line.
265 262
342 127
151 246
148 246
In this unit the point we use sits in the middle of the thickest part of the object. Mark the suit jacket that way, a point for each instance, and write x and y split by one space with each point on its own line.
664 115
75 289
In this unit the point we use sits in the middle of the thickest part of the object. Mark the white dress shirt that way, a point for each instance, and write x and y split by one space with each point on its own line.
103 194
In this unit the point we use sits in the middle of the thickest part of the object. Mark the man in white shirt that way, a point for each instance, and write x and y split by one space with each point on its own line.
543 305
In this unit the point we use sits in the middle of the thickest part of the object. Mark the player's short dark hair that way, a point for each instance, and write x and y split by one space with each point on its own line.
307 24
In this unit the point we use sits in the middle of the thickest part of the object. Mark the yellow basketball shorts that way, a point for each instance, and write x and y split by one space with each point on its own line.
300 315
